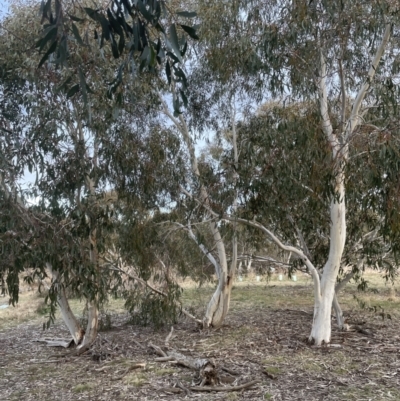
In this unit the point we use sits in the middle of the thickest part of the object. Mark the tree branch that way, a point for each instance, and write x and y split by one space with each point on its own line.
206 252
339 286
343 93
323 103
150 287
354 117
274 238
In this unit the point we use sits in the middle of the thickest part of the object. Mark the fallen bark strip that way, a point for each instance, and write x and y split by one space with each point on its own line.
56 342
227 388
138 343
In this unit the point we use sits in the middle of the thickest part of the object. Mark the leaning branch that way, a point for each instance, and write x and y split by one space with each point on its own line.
203 249
274 238
354 117
344 281
150 287
323 102
288 248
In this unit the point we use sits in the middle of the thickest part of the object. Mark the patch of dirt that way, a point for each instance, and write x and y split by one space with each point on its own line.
267 344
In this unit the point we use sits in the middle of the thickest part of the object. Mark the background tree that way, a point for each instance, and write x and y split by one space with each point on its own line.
285 41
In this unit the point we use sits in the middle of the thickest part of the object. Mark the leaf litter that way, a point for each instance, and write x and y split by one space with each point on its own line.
266 346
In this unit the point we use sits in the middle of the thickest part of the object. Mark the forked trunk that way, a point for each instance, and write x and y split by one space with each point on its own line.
325 290
92 326
321 328
69 318
338 312
218 306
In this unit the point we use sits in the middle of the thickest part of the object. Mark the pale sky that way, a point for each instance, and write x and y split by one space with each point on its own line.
4 8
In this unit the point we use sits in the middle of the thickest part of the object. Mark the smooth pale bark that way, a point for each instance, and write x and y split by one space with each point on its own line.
321 328
218 306
248 267
69 318
92 326
67 315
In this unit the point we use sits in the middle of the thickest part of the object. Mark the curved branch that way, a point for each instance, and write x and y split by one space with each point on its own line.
150 287
339 286
323 103
289 248
206 252
274 238
354 117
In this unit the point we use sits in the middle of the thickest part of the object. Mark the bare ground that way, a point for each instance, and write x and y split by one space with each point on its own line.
264 339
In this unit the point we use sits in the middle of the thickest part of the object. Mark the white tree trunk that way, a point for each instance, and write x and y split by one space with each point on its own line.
321 328
69 318
249 265
67 315
240 268
218 306
92 326
339 143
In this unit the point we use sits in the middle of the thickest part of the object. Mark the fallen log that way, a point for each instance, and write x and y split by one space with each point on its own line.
207 370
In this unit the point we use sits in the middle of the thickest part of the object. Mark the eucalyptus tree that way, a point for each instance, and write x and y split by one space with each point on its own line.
70 164
83 144
137 35
204 186
342 57
284 174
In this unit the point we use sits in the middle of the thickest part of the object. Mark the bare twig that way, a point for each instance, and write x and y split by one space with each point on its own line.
230 371
129 369
138 343
228 388
158 350
181 386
